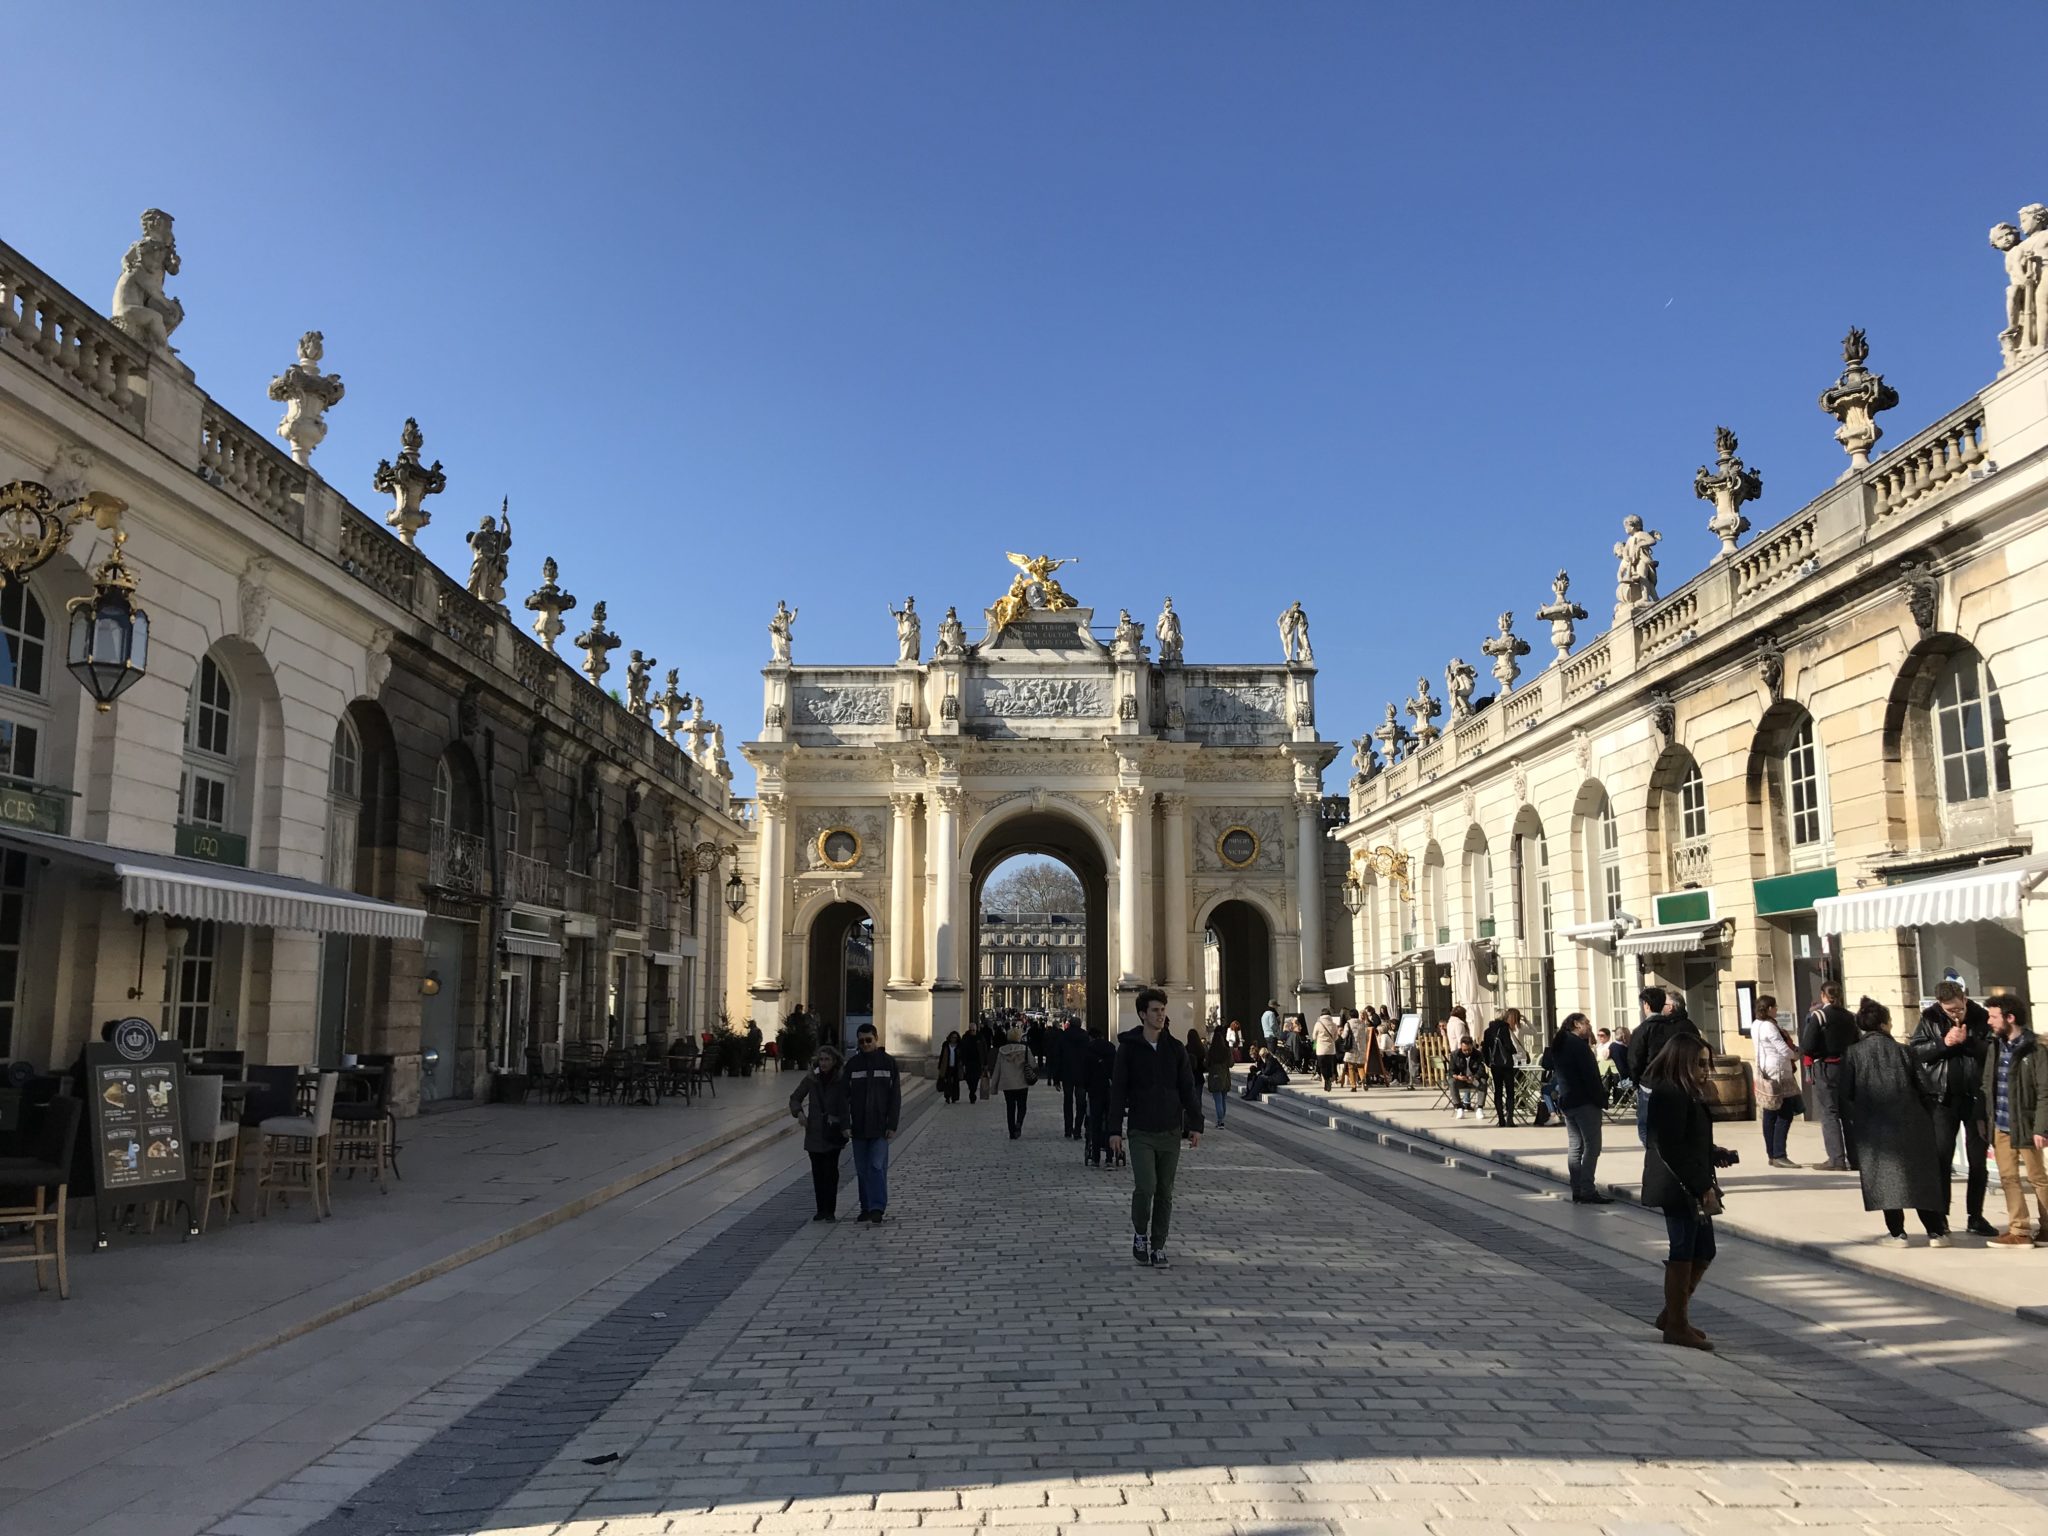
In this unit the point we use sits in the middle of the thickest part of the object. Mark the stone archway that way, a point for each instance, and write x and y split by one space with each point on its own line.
1056 836
839 972
1244 983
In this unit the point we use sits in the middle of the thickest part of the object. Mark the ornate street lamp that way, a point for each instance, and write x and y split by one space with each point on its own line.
1354 894
735 893
109 642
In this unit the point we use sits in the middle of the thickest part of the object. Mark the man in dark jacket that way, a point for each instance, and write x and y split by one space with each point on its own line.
874 1105
1070 1068
1152 1085
1098 1061
972 1062
1948 1052
1662 1019
1825 1035
2016 1084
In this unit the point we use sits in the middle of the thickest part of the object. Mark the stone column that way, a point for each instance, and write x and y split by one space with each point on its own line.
902 954
1308 897
768 833
944 853
1129 805
1176 862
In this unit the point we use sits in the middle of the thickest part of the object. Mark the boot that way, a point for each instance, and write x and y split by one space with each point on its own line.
1677 1292
1699 1270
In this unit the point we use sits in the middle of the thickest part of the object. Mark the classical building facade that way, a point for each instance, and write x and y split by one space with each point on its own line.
1033 961
1815 757
1186 798
349 807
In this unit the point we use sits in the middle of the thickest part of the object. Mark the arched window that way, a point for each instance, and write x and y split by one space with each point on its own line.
344 803
1535 918
441 801
1607 886
1479 887
206 787
628 857
1806 798
1969 734
1692 805
24 650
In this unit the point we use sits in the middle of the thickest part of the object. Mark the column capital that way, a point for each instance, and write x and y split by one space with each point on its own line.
1127 801
772 804
1308 802
904 802
950 798
1173 802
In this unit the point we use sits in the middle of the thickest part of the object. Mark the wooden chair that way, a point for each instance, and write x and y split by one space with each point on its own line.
298 1152
211 1144
34 1192
362 1126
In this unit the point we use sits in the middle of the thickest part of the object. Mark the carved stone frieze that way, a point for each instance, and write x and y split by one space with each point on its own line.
1235 713
858 706
1041 698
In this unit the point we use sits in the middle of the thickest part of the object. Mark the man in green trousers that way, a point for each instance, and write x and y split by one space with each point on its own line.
1153 1084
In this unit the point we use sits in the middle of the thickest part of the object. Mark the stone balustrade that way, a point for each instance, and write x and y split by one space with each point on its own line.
54 332
1774 558
377 560
1425 761
1589 671
234 458
469 623
1524 708
1922 466
535 668
1669 625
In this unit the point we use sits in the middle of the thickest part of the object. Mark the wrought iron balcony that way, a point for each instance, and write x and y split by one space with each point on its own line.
456 861
1692 862
531 881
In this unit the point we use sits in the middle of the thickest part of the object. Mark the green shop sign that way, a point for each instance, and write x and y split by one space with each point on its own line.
1794 893
212 845
1683 907
40 810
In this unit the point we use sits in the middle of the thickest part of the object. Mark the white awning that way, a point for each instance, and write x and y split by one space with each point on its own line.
1601 935
528 944
1672 939
204 892
1989 893
668 957
1336 975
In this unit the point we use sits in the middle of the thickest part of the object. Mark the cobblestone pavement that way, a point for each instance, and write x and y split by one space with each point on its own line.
1339 1347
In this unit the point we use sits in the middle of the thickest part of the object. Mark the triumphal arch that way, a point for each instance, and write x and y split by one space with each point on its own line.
1188 798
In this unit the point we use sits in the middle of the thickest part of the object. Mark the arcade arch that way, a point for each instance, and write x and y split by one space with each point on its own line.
1063 836
1242 932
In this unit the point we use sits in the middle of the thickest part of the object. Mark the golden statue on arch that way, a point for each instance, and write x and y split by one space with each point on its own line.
1034 586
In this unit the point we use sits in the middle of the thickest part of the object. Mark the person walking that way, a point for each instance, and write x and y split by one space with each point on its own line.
1777 1081
949 1067
1152 1086
874 1091
1070 1050
1098 1059
1577 1093
1949 1047
1327 1037
1898 1161
1219 1075
1825 1035
1014 1076
972 1046
820 1105
1679 1163
1659 1024
1499 1049
2017 1073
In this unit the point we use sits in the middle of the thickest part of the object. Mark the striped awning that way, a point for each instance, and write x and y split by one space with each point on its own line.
534 945
1601 935
1989 893
1672 939
220 893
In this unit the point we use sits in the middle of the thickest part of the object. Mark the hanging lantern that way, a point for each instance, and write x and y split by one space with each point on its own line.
109 649
735 893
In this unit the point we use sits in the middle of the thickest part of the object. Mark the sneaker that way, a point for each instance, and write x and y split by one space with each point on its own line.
1783 1162
1894 1240
2013 1240
865 1216
1159 1258
1141 1248
1829 1167
876 1218
1979 1227
1941 1240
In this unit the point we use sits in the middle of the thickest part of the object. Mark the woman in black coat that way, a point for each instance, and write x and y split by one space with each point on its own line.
949 1068
1897 1158
1679 1159
820 1103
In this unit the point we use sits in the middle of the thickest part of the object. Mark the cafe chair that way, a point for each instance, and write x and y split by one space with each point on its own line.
362 1125
34 1192
211 1143
297 1153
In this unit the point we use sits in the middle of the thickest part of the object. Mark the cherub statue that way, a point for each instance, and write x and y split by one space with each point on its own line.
697 730
1423 709
1635 579
1365 760
952 636
490 556
1459 679
2033 254
1010 607
638 667
1127 642
909 631
780 625
307 395
1167 629
1294 644
140 306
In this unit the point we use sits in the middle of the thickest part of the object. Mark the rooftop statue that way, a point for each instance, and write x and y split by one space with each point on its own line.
1728 485
1635 578
490 557
781 625
639 670
1559 613
1505 648
1128 641
409 483
1167 631
548 603
1034 586
1459 680
1423 709
2026 283
140 306
952 637
307 395
1294 646
909 631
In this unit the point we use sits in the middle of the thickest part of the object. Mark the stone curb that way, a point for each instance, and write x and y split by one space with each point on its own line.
1513 1168
569 1210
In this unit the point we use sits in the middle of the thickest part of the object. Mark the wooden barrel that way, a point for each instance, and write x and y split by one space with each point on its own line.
1729 1093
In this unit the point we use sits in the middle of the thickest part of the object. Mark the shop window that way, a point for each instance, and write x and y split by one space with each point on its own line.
196 968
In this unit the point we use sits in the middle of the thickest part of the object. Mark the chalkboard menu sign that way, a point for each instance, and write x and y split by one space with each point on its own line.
135 1086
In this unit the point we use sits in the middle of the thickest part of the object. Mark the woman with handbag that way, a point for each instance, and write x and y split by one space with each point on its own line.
1777 1081
1679 1160
949 1068
1014 1076
820 1104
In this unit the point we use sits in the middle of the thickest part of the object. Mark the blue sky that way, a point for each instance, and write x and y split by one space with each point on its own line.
1391 310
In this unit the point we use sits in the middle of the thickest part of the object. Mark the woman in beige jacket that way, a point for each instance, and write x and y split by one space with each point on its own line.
1014 1078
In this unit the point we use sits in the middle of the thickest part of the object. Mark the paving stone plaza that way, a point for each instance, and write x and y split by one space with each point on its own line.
1349 1342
